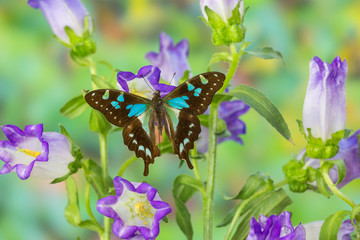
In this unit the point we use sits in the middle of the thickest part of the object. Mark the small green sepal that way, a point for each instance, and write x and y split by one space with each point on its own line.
317 149
224 33
296 175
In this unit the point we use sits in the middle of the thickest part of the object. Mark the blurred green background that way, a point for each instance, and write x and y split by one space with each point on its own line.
37 77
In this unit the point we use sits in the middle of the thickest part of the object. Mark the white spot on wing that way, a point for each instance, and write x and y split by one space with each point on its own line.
131 135
92 94
215 75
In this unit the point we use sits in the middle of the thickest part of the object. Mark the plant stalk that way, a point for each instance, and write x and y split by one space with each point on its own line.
210 187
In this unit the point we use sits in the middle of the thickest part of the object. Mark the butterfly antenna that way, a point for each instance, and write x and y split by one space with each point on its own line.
170 82
149 85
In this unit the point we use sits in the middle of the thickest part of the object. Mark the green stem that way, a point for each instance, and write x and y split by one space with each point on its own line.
210 187
105 176
246 201
233 66
88 208
125 165
333 187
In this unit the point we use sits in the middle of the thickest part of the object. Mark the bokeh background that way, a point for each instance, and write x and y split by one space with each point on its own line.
37 77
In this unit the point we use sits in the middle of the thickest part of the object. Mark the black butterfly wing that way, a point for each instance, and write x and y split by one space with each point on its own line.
132 112
182 106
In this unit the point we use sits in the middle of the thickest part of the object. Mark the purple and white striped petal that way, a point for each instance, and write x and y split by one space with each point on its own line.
171 59
275 227
62 13
324 106
139 84
223 8
33 152
137 210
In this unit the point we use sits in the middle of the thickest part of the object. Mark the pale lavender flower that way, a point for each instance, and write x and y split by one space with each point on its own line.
34 152
324 106
138 84
171 59
136 209
223 8
64 13
275 227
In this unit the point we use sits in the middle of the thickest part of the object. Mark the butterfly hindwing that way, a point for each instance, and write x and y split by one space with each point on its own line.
183 105
132 112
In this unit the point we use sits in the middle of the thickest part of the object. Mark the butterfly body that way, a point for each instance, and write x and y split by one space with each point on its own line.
176 113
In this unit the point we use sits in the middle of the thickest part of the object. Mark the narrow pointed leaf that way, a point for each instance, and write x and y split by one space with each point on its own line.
181 193
72 212
266 53
267 204
260 103
74 107
252 185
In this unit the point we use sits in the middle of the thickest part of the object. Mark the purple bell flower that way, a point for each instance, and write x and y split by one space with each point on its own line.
171 59
34 152
64 13
223 8
230 112
275 227
138 84
324 106
136 209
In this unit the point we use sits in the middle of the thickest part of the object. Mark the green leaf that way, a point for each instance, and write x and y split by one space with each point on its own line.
321 185
267 204
93 175
252 185
263 106
90 224
355 213
98 123
330 227
220 56
72 211
101 83
228 217
74 107
182 192
340 164
185 77
266 53
220 126
301 127
221 97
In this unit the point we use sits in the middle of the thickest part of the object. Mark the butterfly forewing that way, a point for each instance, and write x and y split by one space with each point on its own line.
196 94
132 112
182 106
118 107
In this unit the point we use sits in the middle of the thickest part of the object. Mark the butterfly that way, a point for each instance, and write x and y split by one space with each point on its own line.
176 113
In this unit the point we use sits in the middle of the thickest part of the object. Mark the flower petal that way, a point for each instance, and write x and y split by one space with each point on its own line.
324 105
171 59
